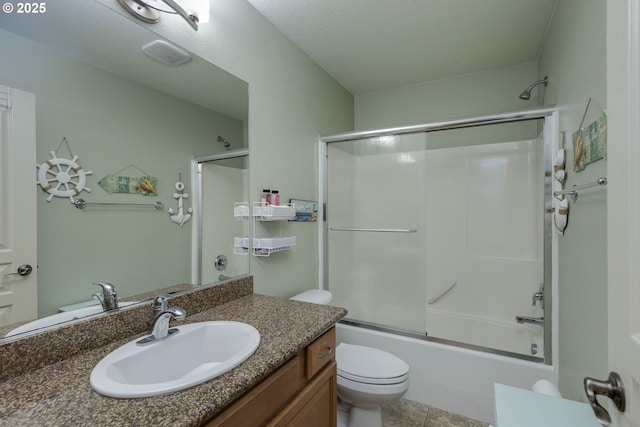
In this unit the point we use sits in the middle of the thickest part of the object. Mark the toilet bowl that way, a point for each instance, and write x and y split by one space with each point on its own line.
367 377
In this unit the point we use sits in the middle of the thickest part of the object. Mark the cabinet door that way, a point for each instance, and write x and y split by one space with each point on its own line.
264 400
315 406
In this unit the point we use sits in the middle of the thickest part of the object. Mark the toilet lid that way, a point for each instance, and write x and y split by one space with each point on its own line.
370 365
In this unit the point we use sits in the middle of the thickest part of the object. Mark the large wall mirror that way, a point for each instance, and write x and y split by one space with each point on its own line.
101 98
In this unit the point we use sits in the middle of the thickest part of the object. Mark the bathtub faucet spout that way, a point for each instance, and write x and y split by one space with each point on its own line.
532 320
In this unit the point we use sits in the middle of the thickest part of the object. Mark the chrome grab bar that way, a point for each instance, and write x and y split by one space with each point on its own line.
375 230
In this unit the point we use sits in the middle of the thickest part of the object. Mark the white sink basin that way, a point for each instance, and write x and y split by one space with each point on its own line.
198 353
48 322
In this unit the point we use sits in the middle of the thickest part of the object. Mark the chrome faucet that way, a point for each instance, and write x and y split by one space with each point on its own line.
531 320
162 315
108 298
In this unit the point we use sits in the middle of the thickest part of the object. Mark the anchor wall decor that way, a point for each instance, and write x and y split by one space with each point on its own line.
180 218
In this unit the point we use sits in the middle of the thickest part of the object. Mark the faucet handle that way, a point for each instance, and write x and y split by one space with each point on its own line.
108 298
107 288
161 302
538 296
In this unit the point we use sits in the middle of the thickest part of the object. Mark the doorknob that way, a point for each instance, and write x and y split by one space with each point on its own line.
612 388
23 270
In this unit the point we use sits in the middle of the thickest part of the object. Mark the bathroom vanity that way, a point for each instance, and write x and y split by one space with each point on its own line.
289 380
301 393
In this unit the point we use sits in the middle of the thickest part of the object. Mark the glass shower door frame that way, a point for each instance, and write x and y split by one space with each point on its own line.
550 131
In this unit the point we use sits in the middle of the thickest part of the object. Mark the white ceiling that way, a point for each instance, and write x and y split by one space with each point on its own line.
369 45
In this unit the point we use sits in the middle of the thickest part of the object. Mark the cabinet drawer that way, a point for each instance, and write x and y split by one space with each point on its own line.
321 352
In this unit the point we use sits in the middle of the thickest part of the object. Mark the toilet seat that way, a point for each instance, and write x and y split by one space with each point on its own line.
370 365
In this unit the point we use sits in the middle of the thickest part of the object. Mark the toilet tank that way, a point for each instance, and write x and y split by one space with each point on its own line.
316 296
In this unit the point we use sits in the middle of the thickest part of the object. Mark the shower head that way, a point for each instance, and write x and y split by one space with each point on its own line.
526 94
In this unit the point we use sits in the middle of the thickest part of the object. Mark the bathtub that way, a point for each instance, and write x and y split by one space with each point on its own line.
448 377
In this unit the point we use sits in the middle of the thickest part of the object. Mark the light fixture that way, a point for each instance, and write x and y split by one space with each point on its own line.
149 11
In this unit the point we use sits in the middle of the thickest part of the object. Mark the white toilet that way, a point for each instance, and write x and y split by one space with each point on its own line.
367 377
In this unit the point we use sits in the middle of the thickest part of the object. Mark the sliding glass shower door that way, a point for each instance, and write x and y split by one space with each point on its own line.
441 234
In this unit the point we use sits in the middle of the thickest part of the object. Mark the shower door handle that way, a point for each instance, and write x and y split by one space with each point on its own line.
612 388
376 230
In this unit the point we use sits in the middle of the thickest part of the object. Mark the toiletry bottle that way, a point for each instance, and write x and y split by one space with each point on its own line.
265 199
275 198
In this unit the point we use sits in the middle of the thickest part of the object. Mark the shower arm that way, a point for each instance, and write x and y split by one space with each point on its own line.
544 81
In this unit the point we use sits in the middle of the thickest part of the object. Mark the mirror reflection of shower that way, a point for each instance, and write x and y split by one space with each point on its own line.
221 181
225 143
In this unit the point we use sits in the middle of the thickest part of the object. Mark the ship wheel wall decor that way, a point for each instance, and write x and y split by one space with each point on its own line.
62 177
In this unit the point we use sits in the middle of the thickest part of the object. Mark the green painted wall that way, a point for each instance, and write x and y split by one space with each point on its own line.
575 61
574 58
291 103
485 92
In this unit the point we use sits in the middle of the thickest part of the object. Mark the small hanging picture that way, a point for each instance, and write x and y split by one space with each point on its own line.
144 185
590 142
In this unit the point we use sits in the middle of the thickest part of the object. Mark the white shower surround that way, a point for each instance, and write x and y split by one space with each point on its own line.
447 377
476 212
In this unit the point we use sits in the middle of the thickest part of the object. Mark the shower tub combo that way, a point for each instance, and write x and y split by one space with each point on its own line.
438 240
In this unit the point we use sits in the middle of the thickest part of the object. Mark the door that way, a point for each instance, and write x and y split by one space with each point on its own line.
623 212
18 292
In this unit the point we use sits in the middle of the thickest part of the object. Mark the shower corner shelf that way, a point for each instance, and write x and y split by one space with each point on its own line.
273 212
268 245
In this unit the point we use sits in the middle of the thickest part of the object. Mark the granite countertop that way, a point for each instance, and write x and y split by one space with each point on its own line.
60 394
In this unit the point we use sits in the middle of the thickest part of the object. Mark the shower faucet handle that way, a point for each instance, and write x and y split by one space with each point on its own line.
538 296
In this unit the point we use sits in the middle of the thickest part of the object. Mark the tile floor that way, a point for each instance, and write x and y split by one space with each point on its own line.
407 413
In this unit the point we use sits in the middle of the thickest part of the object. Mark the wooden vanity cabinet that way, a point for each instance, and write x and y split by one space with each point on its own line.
301 393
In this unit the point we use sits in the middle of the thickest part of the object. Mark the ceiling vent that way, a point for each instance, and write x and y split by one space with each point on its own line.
166 53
